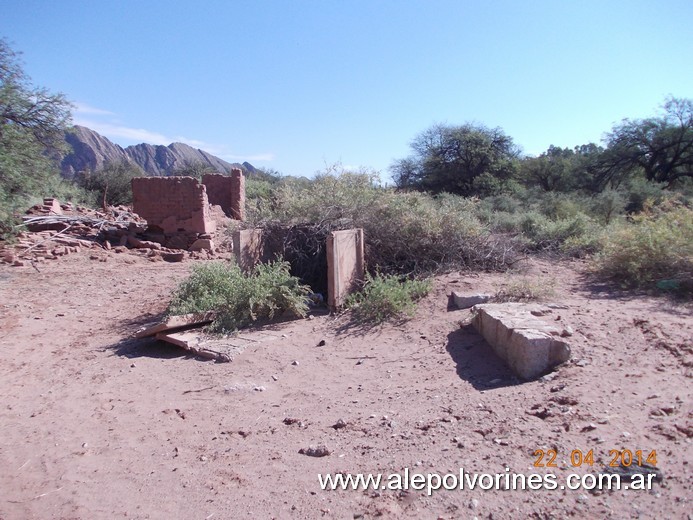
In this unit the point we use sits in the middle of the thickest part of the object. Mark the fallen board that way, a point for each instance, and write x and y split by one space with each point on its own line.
175 323
220 349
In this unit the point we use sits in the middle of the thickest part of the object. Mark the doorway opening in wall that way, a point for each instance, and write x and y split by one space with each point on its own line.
330 262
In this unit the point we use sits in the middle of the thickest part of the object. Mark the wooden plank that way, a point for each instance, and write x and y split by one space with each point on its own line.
175 323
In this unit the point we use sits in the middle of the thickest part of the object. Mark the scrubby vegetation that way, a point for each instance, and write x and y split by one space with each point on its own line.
653 248
465 197
240 299
386 297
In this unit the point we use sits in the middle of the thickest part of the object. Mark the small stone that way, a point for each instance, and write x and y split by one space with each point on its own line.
294 363
588 428
275 378
567 331
259 389
132 365
321 343
359 362
582 363
315 451
474 503
339 424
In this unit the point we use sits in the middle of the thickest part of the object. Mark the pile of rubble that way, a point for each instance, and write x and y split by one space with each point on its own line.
53 230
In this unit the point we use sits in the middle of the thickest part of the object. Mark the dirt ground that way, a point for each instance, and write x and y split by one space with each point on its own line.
95 425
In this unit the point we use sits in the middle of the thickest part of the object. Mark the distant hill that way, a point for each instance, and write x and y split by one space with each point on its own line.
89 150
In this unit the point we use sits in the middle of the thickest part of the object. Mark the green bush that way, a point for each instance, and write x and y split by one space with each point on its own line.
386 297
654 246
240 299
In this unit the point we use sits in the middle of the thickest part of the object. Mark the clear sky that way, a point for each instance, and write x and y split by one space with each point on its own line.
296 85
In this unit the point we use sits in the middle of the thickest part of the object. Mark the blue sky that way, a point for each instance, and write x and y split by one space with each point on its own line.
297 85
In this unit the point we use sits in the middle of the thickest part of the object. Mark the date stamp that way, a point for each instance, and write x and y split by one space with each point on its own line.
579 458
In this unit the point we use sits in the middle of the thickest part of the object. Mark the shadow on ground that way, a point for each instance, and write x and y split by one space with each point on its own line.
476 362
149 347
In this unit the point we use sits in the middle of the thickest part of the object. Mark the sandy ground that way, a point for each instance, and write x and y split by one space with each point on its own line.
94 425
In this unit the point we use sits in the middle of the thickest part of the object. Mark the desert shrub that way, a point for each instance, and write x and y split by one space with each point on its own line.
545 234
607 205
405 232
655 245
560 206
240 299
525 290
387 297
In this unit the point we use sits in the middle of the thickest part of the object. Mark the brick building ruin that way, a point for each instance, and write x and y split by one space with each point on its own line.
180 210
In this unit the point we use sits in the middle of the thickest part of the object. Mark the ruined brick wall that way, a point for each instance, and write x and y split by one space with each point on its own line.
173 204
227 191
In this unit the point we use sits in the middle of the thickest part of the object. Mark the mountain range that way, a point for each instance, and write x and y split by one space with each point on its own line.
90 151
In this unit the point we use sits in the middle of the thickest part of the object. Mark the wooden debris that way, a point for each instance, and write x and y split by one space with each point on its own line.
176 323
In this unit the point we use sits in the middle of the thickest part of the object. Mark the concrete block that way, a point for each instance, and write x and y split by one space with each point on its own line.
345 265
465 301
202 243
530 346
248 247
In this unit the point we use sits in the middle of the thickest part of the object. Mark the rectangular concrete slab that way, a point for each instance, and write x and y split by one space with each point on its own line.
213 347
345 265
248 247
530 346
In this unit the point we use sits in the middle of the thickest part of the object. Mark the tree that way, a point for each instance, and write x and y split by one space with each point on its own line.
110 185
662 147
551 170
457 159
32 122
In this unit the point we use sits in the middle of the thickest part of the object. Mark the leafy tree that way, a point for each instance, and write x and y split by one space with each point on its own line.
662 147
551 171
32 122
451 158
110 185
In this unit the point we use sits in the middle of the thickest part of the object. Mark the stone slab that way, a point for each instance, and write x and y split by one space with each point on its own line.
212 347
529 345
465 301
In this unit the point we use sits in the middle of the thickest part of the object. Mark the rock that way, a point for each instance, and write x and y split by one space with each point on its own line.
294 363
142 244
566 332
259 389
339 424
177 242
315 451
527 344
202 243
465 301
173 257
321 343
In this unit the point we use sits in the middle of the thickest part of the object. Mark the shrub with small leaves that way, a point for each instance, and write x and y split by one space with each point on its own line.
240 299
386 297
656 245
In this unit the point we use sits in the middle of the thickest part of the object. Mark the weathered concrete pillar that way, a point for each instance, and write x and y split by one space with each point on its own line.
237 194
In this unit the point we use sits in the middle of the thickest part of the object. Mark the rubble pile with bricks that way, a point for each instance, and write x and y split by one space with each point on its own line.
172 219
